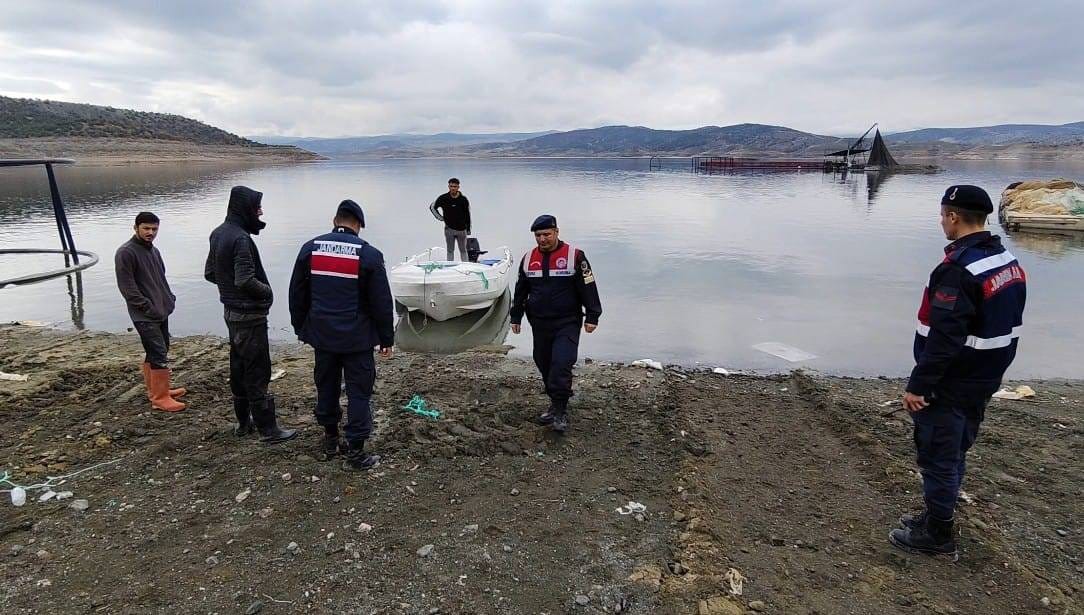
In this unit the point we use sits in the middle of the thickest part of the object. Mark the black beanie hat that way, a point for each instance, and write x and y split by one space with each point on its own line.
543 222
351 209
971 198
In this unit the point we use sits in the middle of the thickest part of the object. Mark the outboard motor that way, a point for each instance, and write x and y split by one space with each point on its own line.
474 249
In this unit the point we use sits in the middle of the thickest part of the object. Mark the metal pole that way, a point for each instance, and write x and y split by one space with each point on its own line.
66 240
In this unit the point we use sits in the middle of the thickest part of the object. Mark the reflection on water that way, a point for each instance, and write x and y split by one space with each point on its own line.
691 268
1048 244
418 333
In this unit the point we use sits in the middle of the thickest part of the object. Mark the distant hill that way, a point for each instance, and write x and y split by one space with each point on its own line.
340 147
741 139
1004 134
22 118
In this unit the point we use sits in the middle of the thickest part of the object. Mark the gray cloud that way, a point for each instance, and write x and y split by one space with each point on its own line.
342 67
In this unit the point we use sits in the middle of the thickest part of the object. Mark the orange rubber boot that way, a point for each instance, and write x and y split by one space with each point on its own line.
180 392
160 399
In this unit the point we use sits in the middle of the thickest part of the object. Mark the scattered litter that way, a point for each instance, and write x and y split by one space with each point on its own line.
631 508
425 551
787 353
417 405
1060 426
79 505
278 373
241 497
1021 392
885 404
967 497
18 496
31 323
63 495
736 580
18 492
649 363
48 495
721 371
14 377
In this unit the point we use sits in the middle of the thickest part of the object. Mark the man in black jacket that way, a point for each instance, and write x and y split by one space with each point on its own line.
233 264
141 278
556 290
341 305
453 209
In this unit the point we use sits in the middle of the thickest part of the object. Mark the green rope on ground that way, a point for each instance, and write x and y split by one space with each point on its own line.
417 405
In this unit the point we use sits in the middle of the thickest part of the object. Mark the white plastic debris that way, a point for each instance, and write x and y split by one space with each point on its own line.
721 371
48 495
278 373
785 352
736 580
631 508
14 377
63 495
649 363
18 496
241 497
1021 392
967 497
885 404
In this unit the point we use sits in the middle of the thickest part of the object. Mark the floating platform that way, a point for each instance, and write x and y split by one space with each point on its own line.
724 164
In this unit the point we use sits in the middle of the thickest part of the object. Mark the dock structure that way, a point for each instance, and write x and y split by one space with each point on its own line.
726 164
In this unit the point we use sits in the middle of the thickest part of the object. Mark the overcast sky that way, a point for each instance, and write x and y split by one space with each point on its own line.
338 68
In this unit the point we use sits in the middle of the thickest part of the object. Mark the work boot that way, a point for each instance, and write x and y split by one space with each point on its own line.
332 444
357 460
934 537
267 423
244 418
546 418
174 393
913 520
158 384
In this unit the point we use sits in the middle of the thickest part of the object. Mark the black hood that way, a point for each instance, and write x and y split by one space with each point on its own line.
242 209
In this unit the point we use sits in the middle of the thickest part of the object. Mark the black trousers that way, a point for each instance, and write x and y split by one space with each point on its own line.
944 431
250 363
359 368
155 339
556 344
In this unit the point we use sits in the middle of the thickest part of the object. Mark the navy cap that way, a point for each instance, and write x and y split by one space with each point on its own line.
543 222
351 208
971 198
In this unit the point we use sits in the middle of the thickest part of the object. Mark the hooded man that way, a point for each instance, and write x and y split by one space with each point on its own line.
233 264
341 305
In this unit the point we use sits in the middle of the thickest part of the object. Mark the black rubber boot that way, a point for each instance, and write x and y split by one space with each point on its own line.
546 418
913 520
357 460
931 538
244 418
332 444
267 424
560 417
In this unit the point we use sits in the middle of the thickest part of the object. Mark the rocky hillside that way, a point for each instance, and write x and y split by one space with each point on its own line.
28 118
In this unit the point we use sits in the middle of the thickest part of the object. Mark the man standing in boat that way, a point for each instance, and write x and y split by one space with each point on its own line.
556 290
141 278
341 305
453 209
234 266
968 329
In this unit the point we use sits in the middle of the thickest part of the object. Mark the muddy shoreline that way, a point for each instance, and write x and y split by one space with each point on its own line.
790 481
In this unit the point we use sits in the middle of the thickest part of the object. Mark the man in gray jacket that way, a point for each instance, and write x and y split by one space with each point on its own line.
141 278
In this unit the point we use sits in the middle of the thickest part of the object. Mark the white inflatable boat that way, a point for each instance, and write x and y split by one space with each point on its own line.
446 289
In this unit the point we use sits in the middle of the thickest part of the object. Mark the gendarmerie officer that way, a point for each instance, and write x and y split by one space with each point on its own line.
556 290
341 305
968 329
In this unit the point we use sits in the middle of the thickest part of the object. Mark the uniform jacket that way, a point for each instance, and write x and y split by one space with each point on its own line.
969 321
340 300
233 262
556 285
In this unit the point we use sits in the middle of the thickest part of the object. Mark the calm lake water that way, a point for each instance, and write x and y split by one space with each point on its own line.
692 268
